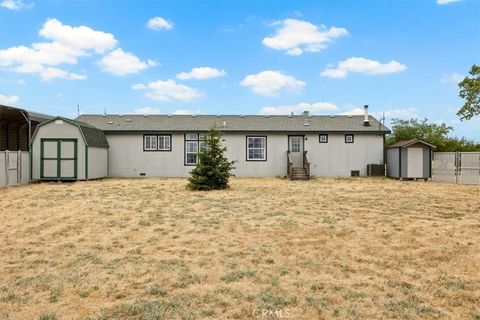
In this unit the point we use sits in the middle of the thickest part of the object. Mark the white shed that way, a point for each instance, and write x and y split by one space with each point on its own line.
410 159
64 149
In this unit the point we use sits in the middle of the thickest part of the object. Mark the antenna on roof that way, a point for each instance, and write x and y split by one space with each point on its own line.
382 121
105 111
78 110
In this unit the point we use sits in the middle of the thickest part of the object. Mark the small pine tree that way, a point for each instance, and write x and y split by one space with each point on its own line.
213 169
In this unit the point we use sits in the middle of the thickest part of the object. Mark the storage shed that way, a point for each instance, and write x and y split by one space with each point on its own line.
410 159
64 149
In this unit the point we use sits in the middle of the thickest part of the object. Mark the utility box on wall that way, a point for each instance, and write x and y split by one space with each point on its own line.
410 159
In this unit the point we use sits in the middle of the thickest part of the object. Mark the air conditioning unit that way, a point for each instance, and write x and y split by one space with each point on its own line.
375 170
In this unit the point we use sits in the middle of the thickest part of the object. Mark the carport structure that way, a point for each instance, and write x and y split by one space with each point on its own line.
16 128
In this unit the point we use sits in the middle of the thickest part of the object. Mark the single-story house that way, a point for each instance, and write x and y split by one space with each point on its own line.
298 146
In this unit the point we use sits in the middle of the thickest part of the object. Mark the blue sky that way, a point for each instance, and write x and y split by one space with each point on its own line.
403 58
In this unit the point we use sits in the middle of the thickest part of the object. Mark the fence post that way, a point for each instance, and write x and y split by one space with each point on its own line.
19 167
457 166
6 168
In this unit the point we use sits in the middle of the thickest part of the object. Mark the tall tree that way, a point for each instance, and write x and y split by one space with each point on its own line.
470 91
213 169
433 133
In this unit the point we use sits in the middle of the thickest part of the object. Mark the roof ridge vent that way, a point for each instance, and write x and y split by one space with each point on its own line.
218 115
332 116
169 116
120 115
266 116
128 120
194 115
145 115
110 122
242 116
350 116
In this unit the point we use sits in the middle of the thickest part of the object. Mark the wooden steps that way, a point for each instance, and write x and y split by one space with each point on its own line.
299 173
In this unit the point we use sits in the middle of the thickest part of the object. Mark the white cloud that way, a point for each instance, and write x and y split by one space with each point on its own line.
364 66
147 110
8 100
81 38
353 112
446 1
317 107
270 83
167 90
48 73
15 4
454 78
159 23
183 112
119 62
296 36
201 73
67 45
403 113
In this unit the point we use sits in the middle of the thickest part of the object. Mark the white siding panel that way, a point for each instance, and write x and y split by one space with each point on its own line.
335 158
97 163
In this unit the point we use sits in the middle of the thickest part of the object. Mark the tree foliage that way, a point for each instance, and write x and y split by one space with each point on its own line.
433 133
470 91
213 169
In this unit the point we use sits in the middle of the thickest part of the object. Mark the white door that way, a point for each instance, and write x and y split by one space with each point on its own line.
415 163
295 145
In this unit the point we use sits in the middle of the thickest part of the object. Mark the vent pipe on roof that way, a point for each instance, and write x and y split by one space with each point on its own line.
366 121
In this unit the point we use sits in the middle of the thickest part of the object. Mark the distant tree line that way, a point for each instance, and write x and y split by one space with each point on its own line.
433 133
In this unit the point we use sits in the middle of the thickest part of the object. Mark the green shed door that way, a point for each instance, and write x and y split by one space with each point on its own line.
58 159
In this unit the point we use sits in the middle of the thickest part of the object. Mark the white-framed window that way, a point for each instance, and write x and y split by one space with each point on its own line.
323 138
157 142
194 142
349 138
164 143
296 144
257 148
149 143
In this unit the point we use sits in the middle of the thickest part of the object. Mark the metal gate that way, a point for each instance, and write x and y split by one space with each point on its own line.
456 167
14 168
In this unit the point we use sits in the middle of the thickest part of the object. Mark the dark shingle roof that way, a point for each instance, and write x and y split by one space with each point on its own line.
406 143
94 137
233 123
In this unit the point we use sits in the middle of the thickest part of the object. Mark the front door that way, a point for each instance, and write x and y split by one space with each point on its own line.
295 145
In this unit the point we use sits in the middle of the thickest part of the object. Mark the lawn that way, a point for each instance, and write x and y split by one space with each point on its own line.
360 248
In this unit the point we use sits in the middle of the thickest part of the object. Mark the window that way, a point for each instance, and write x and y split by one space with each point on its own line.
323 138
193 143
256 148
164 143
158 142
349 138
295 144
150 143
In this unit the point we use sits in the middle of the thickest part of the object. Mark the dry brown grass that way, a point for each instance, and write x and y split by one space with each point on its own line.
326 248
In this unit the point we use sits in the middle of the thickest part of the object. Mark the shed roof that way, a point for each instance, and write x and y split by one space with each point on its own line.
233 123
94 137
408 143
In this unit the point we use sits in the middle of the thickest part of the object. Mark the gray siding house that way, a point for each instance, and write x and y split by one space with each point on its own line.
298 146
